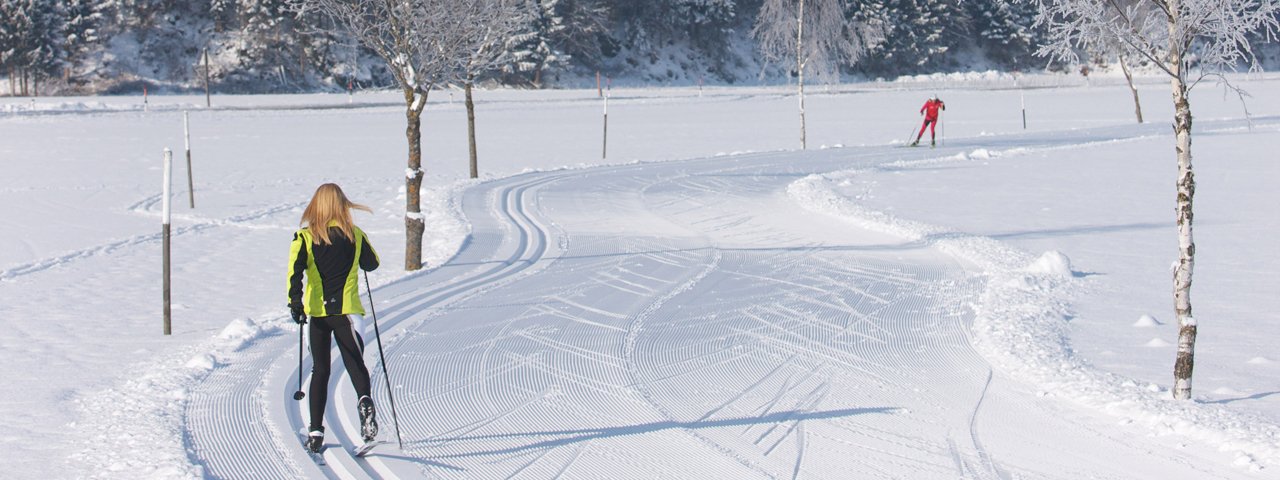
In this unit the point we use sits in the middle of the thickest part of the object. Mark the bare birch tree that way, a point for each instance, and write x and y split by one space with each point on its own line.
424 43
1126 52
1123 60
1171 34
814 34
490 35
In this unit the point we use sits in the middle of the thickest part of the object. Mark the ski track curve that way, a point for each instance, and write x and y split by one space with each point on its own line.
674 320
263 378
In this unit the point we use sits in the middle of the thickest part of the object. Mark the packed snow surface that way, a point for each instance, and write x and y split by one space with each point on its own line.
696 299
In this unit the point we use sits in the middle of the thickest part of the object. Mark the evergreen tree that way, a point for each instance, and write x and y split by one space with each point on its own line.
44 42
222 13
1005 30
919 33
81 29
30 46
271 49
554 32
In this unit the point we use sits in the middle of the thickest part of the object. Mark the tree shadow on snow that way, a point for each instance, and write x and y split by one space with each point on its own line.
1256 396
568 437
1079 230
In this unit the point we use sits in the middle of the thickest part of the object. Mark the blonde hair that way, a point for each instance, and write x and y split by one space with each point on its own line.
330 205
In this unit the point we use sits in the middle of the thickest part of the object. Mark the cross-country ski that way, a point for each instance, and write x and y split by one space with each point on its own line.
366 447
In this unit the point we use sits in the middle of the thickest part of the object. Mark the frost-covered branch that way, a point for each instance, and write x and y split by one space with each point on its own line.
821 40
426 43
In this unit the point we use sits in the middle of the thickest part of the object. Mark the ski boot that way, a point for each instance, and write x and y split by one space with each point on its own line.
933 144
915 143
315 440
368 418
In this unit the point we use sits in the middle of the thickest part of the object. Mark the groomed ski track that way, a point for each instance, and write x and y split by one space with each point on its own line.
674 320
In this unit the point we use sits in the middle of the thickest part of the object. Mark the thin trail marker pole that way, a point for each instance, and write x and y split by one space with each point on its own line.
208 102
599 90
350 95
1023 97
186 138
144 98
604 148
168 171
943 127
386 374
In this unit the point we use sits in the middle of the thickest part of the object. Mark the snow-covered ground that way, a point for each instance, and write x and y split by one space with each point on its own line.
998 307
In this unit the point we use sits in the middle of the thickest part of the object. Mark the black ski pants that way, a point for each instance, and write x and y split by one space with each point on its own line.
350 344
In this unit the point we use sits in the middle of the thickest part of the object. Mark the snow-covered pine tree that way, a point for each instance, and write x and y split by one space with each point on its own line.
81 32
918 33
531 50
45 50
1004 29
272 53
8 41
710 26
222 13
553 32
31 43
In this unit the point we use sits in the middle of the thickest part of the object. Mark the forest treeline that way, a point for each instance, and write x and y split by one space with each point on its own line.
259 46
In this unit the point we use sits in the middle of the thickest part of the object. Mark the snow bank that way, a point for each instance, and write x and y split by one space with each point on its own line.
1147 321
1051 264
1020 327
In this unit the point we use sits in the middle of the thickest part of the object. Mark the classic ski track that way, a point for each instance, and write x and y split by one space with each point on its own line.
532 246
728 221
234 392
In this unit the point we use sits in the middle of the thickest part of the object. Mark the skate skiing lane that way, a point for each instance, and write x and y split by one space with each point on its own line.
675 320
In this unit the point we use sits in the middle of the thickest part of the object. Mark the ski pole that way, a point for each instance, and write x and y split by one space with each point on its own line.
298 394
382 356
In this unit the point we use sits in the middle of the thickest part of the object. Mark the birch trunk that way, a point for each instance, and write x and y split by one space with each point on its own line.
1128 77
413 222
471 130
1185 362
800 69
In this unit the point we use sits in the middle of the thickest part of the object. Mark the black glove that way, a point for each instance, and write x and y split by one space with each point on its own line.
299 316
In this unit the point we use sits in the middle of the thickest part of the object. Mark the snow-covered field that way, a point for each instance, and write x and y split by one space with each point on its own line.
707 302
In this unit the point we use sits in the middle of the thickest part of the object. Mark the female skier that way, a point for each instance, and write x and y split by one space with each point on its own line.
328 248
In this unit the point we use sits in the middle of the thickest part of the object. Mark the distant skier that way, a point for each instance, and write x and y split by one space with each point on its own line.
930 112
329 256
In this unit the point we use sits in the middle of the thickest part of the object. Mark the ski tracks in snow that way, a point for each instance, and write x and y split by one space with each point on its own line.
700 326
678 320
188 224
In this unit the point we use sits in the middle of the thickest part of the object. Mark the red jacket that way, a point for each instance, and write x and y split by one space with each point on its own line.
930 108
